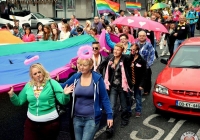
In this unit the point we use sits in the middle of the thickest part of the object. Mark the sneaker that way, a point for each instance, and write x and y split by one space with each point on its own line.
168 53
138 114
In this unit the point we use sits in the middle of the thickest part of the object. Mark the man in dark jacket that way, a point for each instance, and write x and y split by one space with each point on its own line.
137 71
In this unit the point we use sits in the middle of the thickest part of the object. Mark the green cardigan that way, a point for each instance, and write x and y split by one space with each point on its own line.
45 103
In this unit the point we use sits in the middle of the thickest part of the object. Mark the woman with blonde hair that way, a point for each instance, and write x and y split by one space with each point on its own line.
89 97
41 92
88 26
65 33
117 80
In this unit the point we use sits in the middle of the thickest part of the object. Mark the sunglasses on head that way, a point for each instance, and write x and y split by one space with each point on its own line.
95 48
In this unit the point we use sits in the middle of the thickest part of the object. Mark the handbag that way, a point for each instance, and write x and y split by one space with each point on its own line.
61 109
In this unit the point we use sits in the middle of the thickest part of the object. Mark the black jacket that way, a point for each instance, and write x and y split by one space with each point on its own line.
125 59
170 38
139 70
101 71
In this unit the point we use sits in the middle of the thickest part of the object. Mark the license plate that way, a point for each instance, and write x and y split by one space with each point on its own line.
188 105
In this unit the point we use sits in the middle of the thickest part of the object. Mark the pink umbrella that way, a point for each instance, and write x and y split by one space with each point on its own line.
141 22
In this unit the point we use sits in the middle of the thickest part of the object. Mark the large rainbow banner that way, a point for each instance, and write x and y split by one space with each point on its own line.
56 56
133 5
107 6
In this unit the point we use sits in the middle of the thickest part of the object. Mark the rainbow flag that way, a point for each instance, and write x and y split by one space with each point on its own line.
107 6
113 5
133 5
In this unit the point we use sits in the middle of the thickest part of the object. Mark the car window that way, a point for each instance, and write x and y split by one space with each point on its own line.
39 16
32 17
187 56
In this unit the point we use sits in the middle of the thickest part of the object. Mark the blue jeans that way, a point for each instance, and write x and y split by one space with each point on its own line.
85 128
138 99
177 44
192 29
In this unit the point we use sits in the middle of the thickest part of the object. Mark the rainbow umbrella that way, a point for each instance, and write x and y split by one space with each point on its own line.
159 6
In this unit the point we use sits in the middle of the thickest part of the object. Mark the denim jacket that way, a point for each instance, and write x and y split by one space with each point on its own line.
148 53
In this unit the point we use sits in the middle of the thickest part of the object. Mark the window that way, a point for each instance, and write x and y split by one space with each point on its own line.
39 16
71 4
32 17
59 5
187 56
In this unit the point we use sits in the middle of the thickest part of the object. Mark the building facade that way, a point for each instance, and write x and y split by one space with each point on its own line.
57 9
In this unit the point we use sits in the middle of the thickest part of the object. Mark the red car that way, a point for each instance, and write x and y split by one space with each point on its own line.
177 87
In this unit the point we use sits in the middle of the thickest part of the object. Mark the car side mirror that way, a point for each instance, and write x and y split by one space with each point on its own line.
164 61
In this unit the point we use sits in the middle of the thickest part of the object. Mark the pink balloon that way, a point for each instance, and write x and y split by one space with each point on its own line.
32 59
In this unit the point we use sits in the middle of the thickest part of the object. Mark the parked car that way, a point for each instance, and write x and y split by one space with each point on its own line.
24 17
177 87
37 19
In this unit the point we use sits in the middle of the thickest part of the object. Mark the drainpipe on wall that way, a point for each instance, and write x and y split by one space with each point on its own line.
95 10
65 8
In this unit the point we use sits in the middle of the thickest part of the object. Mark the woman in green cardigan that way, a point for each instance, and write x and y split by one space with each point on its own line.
42 121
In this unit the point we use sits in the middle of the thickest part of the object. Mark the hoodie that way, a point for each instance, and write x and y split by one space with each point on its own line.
101 99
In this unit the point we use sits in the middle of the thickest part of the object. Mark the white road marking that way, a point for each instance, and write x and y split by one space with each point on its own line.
146 123
104 128
198 133
174 130
171 120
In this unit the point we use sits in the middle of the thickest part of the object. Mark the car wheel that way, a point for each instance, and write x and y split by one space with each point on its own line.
39 25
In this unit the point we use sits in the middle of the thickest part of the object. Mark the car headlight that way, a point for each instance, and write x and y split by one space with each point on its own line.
161 89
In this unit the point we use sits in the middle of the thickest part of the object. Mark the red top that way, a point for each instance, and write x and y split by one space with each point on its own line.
29 38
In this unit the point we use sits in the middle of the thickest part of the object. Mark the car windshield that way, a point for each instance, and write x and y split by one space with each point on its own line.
39 16
187 57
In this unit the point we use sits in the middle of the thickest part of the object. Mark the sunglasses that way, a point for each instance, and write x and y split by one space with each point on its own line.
39 72
95 48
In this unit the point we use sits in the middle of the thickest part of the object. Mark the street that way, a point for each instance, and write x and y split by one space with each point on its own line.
154 125
150 126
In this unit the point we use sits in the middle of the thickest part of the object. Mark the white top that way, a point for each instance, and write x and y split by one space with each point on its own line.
43 118
64 36
60 26
165 13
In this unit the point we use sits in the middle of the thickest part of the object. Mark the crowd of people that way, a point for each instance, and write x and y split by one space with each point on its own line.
99 81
